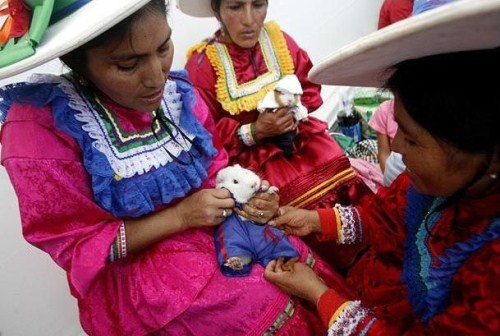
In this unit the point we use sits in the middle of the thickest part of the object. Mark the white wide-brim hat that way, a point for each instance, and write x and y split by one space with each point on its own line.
198 8
458 26
79 27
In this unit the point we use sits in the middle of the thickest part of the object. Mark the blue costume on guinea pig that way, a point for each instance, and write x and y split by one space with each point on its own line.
240 242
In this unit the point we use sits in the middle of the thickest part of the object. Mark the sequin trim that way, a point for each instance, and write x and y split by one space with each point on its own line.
349 229
280 321
348 317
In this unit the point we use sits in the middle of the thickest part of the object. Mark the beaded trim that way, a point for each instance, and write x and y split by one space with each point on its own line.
246 134
283 317
235 97
349 228
118 249
346 319
310 261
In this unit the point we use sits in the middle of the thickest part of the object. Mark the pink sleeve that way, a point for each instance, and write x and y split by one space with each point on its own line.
383 121
202 113
58 212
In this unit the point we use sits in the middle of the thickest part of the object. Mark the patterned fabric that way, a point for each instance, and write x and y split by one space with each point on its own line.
349 225
366 150
346 319
238 97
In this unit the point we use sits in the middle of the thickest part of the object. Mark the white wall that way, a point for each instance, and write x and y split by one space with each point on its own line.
34 295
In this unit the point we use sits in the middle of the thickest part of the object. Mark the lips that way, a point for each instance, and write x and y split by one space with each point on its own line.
248 33
154 97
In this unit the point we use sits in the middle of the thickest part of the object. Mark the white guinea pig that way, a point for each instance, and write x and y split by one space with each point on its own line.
241 182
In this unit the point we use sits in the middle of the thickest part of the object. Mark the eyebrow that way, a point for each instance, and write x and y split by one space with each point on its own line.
132 55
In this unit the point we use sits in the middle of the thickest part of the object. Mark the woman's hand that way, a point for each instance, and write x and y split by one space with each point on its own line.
295 278
262 207
272 123
206 207
297 222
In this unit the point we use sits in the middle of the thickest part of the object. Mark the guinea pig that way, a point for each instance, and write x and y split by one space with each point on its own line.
240 241
241 182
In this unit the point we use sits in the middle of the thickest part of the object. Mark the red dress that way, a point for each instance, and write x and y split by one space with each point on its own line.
232 80
425 270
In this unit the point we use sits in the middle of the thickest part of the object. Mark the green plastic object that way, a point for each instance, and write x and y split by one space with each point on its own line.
15 50
18 49
40 19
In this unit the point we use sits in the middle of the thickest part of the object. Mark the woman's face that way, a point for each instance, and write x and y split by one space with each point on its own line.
243 20
435 168
132 72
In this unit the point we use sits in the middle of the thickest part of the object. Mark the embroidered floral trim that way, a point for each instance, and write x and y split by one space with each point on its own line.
346 319
282 318
236 98
128 155
349 228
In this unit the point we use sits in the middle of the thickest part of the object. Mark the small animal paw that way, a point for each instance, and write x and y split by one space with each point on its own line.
237 263
272 190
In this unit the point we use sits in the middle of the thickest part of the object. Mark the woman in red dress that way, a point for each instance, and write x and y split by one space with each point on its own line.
233 71
429 245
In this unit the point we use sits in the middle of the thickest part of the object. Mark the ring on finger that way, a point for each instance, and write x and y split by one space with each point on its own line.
260 213
224 213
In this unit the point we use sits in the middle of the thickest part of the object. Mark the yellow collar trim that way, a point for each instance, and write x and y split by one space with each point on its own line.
236 98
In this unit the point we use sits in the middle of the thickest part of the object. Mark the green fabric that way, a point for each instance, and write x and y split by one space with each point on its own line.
345 142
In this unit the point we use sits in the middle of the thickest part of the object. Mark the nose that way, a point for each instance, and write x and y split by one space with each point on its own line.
155 75
247 18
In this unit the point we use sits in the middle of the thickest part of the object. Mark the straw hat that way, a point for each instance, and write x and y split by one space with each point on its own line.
457 26
72 31
198 8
